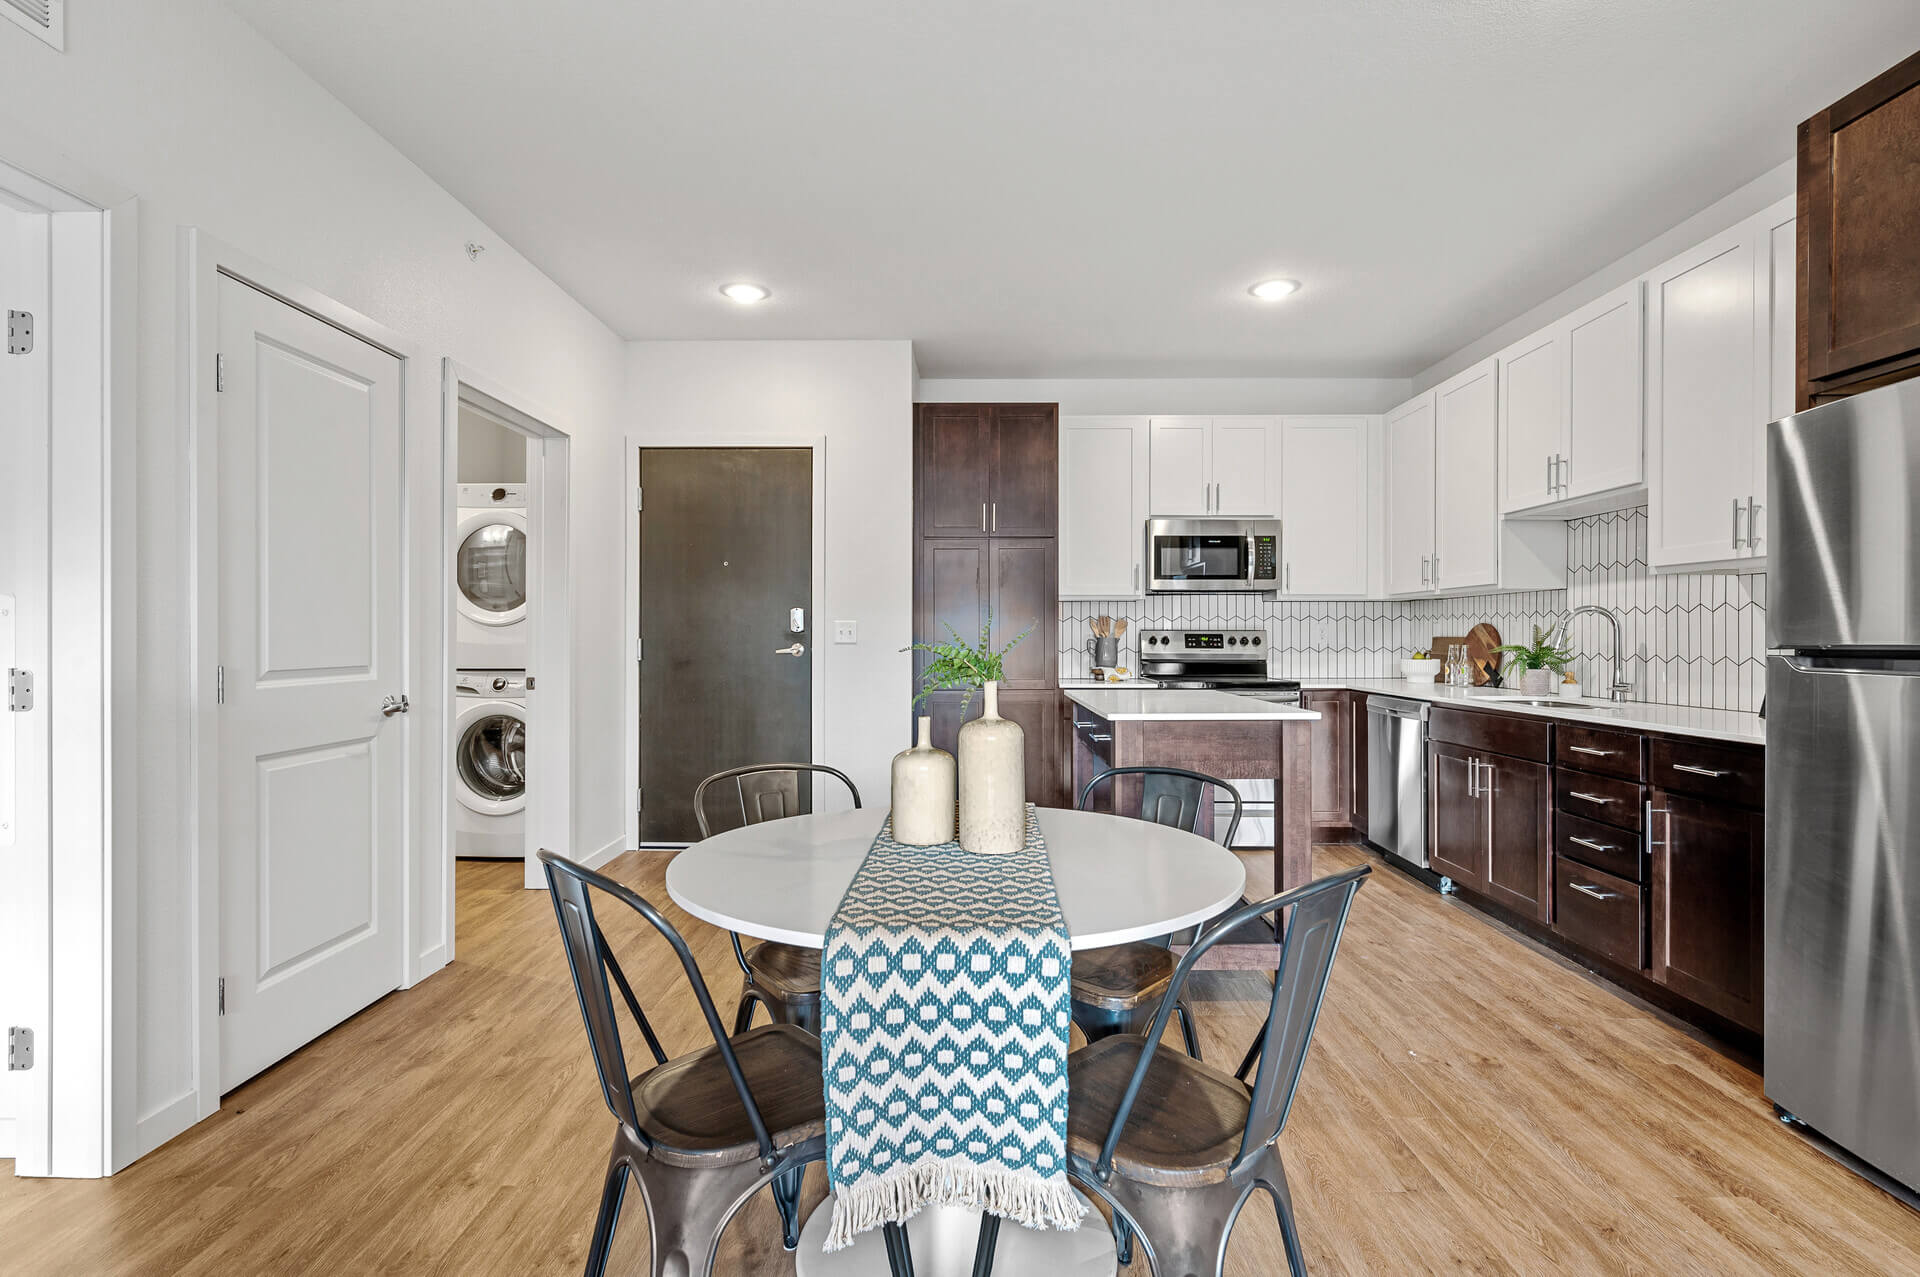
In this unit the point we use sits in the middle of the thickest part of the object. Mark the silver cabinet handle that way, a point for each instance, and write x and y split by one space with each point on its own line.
1591 845
798 649
1591 798
1753 524
1289 582
1549 461
1698 771
1436 571
1473 778
1595 892
996 516
1423 570
1587 749
1218 505
1099 736
1653 811
1078 723
983 516
1561 473
394 705
1736 523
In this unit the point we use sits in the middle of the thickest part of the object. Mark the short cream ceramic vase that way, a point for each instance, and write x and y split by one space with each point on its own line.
923 786
993 782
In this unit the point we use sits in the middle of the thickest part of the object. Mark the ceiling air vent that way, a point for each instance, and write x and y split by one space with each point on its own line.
45 18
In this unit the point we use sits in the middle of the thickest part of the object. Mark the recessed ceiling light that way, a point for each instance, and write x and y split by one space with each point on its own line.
745 294
1272 290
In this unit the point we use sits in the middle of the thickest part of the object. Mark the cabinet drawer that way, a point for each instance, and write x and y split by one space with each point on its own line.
1604 798
1730 773
1600 913
1617 851
1591 750
1509 734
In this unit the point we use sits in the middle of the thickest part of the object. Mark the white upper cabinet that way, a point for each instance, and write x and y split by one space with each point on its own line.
1324 506
1604 422
1570 411
1202 467
1716 345
1532 419
1466 519
1409 497
1103 506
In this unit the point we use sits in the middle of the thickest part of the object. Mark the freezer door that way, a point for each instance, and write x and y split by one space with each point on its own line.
1840 538
1843 902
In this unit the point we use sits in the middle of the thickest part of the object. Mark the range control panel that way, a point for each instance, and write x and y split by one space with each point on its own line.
1202 642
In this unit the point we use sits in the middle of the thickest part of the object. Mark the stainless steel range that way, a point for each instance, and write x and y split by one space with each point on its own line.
1227 661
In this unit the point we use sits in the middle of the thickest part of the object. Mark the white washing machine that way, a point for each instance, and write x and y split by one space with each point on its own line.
490 764
490 571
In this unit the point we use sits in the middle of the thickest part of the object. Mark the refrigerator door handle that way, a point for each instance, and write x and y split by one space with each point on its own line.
1853 663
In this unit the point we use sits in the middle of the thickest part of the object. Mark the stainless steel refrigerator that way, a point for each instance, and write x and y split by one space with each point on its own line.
1843 775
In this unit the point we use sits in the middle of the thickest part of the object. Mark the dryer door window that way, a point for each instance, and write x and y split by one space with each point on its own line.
492 757
492 568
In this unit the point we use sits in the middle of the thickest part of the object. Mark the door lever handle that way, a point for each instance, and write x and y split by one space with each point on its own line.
394 705
798 649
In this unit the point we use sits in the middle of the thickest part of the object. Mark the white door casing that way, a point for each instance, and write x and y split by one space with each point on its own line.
311 630
1466 524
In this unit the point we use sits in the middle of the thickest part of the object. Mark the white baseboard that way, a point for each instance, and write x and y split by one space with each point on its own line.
165 1122
6 1137
428 963
606 853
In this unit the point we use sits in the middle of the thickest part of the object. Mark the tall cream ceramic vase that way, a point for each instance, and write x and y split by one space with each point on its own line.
923 792
993 782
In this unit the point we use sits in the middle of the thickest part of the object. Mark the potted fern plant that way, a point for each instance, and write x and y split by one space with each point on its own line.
1538 665
993 750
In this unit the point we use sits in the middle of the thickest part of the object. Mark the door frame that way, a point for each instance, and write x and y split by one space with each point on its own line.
549 706
630 591
76 1112
203 260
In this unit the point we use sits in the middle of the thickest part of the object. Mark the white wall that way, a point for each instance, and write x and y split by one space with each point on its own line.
1199 396
489 451
184 106
1775 184
858 395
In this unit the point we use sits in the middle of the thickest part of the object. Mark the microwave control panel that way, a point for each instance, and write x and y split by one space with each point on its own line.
1266 558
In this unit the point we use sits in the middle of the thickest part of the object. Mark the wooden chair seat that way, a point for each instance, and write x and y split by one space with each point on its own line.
785 970
1122 977
691 1110
1185 1128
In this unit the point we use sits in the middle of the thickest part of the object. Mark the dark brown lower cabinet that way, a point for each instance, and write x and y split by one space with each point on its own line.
1707 866
1332 756
1601 913
1037 712
1490 822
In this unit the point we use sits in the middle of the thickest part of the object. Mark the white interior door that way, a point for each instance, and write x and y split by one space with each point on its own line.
1410 496
1466 521
1323 480
312 773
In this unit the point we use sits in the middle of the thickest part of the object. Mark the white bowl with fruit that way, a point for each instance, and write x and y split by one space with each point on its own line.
1421 667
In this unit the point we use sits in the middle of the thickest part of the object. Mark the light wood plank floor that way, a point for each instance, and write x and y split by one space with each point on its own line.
1471 1105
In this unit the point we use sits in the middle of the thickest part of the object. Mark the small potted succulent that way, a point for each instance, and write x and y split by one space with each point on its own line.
1537 667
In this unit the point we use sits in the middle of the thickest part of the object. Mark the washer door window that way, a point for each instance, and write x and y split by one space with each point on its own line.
491 758
491 568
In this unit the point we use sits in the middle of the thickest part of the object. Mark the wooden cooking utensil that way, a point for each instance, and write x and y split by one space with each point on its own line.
1120 628
1481 640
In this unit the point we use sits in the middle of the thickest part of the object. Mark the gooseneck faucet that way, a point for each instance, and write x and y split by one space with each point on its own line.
1621 683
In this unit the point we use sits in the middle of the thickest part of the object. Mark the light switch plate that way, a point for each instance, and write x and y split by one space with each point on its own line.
846 631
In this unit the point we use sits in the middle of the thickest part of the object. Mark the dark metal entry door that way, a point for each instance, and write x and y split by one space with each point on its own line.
726 556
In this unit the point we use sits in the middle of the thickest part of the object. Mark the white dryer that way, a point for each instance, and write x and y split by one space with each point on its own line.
490 572
490 764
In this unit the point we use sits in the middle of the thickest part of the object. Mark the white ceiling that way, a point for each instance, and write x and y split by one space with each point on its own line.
1082 188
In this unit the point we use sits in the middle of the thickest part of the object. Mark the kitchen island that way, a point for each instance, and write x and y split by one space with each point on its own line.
1216 733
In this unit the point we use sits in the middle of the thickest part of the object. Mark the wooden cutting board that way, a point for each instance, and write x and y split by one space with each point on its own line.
1442 644
1481 640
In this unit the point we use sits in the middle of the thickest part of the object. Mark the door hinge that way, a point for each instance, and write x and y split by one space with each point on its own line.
19 1049
19 690
19 332
638 499
639 798
638 644
219 685
219 373
223 995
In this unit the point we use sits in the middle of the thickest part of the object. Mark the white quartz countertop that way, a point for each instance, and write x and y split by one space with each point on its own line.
1709 724
1180 705
1071 684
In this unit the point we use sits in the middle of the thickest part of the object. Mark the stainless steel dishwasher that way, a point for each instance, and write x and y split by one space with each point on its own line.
1397 777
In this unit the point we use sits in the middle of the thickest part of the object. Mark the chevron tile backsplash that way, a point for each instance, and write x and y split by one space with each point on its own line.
1692 638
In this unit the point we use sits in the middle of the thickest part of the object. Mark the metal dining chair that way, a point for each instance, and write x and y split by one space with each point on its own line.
1175 1147
1117 989
783 978
701 1132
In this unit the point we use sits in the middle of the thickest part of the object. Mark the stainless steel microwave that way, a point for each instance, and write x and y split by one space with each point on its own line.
1216 555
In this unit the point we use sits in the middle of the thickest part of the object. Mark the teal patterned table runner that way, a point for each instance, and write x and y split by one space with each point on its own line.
943 1029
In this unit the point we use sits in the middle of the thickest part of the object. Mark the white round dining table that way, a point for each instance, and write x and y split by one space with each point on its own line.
1117 880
